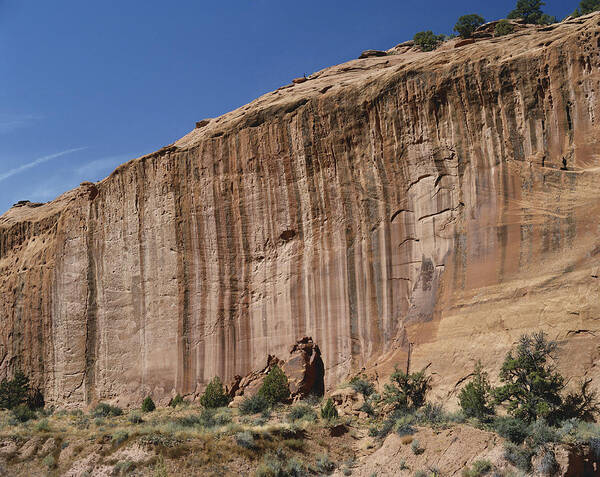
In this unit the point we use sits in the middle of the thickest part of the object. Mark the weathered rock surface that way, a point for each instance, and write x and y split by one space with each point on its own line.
448 199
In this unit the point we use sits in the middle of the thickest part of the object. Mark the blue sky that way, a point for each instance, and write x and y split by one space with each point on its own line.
86 86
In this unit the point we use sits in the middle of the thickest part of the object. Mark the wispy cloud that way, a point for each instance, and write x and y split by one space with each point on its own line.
37 162
102 166
12 122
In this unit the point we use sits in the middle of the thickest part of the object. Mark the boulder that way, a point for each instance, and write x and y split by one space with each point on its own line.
371 54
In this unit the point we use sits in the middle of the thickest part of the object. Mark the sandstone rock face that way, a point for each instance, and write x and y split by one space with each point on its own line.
446 199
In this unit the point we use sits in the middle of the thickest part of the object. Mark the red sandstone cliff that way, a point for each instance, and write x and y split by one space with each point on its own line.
448 199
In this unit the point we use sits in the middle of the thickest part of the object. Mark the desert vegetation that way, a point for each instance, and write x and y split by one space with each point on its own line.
531 409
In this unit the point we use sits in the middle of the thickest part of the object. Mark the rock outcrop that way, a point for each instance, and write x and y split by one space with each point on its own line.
446 199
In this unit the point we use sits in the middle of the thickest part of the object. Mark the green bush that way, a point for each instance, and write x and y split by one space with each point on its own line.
427 40
176 401
407 390
214 395
119 437
106 410
301 411
329 411
49 461
15 391
148 405
361 384
513 429
476 398
478 468
518 456
503 27
275 386
254 404
467 24
22 413
540 433
43 426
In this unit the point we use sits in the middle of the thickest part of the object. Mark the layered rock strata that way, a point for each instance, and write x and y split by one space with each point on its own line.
446 199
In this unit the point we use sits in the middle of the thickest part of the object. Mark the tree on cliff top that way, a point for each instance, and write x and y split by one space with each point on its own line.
427 40
467 24
531 12
587 6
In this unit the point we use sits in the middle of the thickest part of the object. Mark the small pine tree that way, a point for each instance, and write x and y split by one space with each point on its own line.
531 385
531 12
503 27
467 24
476 397
148 405
14 392
214 395
275 386
587 6
176 401
329 411
406 390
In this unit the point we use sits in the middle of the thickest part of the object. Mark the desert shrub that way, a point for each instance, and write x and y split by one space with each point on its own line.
275 386
361 384
301 411
124 467
427 40
367 408
22 413
325 464
541 433
432 413
214 395
15 391
503 27
404 425
245 439
421 473
158 439
119 437
407 390
294 444
594 443
478 468
43 426
467 24
106 410
254 404
148 405
49 461
531 386
416 447
518 456
135 418
176 401
515 430
277 465
329 411
548 464
476 398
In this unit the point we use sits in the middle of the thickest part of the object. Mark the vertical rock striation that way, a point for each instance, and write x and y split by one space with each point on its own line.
448 199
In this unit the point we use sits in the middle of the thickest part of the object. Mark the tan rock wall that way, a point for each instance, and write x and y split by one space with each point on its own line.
415 197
